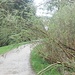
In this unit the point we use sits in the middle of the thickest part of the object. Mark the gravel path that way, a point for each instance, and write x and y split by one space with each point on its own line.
16 62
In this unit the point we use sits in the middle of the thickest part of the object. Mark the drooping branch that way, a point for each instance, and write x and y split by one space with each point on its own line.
70 48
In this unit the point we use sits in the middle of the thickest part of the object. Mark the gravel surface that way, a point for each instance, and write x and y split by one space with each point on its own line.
16 62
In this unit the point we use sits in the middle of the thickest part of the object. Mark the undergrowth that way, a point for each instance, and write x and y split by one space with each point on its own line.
39 63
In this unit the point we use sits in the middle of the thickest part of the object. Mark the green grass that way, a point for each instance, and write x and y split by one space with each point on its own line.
39 63
5 49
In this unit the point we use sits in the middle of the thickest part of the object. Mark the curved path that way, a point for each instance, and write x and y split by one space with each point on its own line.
16 62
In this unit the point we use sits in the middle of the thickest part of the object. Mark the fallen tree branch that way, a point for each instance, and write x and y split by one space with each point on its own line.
42 71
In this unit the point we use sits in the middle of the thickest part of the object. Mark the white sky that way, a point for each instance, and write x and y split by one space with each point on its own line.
40 9
37 2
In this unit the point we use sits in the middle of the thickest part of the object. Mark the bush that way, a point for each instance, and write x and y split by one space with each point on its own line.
59 40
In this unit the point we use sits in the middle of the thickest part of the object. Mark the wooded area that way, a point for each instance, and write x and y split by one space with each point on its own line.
19 23
16 19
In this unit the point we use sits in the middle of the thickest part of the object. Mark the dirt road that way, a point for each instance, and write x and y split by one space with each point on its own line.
16 62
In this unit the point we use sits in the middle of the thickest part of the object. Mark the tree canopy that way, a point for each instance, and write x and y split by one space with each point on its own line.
16 17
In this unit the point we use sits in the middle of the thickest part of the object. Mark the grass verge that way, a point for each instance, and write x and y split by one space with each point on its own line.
39 63
5 49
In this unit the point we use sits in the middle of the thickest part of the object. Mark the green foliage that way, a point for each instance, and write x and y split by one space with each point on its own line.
59 40
51 4
39 63
16 19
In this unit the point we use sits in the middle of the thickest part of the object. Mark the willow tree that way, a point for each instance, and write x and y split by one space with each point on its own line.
16 17
59 39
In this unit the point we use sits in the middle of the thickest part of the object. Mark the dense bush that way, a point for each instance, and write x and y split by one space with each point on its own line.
59 40
16 19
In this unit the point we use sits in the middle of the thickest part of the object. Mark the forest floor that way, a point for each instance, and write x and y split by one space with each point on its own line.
17 61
